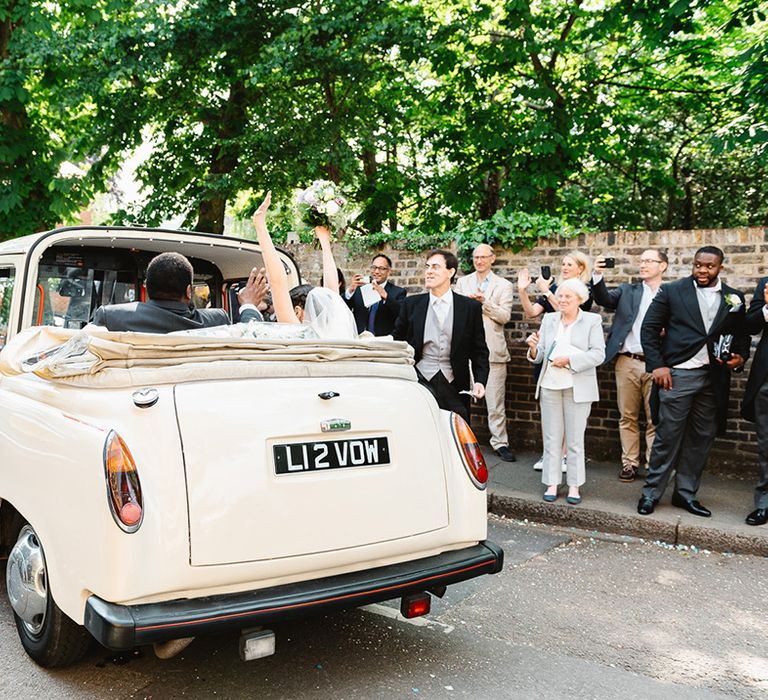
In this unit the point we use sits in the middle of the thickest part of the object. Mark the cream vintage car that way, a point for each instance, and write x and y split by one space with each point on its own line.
157 487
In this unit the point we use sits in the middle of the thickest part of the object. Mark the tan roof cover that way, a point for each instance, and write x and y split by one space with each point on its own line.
96 357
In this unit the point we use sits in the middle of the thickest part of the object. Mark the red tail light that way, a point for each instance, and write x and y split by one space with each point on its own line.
415 605
124 488
470 451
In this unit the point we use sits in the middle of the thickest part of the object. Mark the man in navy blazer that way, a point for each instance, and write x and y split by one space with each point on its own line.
754 407
691 382
380 317
169 288
633 383
446 333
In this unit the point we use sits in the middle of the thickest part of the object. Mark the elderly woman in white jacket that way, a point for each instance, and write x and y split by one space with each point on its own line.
571 345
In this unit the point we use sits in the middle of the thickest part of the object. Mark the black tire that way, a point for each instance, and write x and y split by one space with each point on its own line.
59 641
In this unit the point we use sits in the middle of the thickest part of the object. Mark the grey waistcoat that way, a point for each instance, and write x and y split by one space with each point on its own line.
436 352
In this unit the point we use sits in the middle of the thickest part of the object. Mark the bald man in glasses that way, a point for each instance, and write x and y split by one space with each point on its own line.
497 295
633 384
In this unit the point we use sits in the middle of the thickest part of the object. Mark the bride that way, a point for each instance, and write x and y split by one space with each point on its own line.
324 310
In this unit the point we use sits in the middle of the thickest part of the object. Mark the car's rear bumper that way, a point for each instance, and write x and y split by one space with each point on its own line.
125 626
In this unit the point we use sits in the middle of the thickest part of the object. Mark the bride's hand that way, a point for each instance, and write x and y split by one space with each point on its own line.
323 232
261 212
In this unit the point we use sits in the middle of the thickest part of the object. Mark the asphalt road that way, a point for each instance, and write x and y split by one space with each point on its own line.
572 615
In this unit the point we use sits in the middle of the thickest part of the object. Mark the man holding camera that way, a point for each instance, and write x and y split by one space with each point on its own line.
497 296
630 302
693 335
378 318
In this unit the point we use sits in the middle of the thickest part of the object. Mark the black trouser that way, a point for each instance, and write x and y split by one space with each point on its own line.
447 394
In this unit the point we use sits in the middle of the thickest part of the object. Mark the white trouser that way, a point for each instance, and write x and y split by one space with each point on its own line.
563 418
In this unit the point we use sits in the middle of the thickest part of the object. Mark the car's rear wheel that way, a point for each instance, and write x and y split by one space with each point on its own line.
47 634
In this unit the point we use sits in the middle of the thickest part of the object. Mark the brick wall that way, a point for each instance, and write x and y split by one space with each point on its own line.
745 250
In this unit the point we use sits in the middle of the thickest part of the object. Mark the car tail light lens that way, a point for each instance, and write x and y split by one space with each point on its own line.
470 451
415 605
124 488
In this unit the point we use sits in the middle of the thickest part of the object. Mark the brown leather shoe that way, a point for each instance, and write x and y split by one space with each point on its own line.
627 474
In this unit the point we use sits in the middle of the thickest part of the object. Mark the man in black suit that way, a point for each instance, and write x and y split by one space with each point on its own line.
754 407
633 383
380 317
446 333
169 288
683 324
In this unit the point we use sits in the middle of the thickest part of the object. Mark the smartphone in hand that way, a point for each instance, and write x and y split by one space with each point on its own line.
546 272
609 262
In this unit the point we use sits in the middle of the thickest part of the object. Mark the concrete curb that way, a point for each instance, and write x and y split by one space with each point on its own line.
639 526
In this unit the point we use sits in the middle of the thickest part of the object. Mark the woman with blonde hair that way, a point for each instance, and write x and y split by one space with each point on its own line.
569 346
575 265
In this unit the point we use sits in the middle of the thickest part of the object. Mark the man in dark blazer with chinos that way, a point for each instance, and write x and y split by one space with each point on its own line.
683 324
446 333
169 308
633 384
754 407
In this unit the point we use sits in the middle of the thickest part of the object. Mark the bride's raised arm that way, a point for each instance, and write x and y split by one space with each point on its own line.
276 276
330 271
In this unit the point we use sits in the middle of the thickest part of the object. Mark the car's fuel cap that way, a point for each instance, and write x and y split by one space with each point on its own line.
146 398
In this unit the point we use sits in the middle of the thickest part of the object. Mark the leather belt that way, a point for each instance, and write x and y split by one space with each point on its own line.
633 356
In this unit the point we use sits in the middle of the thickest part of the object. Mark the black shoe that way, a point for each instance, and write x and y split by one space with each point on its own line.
505 454
757 517
692 506
646 505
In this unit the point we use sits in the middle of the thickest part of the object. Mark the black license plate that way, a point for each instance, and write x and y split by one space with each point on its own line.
330 454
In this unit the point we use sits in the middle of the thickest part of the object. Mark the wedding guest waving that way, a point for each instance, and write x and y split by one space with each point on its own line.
691 382
569 346
575 265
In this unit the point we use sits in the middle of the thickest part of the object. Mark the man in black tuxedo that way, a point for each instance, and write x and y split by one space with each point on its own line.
754 407
692 384
633 383
169 288
380 317
446 333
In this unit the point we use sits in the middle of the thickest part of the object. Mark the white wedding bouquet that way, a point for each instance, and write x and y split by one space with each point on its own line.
323 204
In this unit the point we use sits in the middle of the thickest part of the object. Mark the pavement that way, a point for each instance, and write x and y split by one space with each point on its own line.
609 505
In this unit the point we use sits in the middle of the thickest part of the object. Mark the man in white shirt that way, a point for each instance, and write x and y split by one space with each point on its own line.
496 295
633 382
682 327
446 333
378 317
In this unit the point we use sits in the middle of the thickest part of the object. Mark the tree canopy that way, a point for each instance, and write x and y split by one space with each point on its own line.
507 120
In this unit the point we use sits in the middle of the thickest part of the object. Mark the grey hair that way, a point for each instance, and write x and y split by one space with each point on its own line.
576 286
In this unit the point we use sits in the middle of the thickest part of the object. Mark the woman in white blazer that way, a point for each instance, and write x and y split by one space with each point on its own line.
570 345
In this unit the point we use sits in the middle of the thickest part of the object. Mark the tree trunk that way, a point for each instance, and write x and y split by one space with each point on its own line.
229 125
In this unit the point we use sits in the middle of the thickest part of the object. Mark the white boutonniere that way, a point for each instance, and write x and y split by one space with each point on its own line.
733 302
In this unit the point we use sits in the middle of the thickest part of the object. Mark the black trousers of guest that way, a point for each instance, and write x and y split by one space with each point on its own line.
761 421
446 394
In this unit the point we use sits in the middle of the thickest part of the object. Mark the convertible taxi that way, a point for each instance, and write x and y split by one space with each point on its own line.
158 487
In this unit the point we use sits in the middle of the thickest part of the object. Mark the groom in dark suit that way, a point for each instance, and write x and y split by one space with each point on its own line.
679 333
446 333
169 288
755 404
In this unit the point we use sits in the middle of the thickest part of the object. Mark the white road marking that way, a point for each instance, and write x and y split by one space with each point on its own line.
386 611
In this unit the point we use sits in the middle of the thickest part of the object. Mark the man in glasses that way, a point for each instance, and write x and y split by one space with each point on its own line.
379 317
496 295
633 383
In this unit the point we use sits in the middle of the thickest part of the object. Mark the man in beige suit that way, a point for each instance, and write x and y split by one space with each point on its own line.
496 295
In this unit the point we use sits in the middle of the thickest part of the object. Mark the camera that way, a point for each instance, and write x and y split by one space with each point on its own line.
609 262
722 349
546 272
